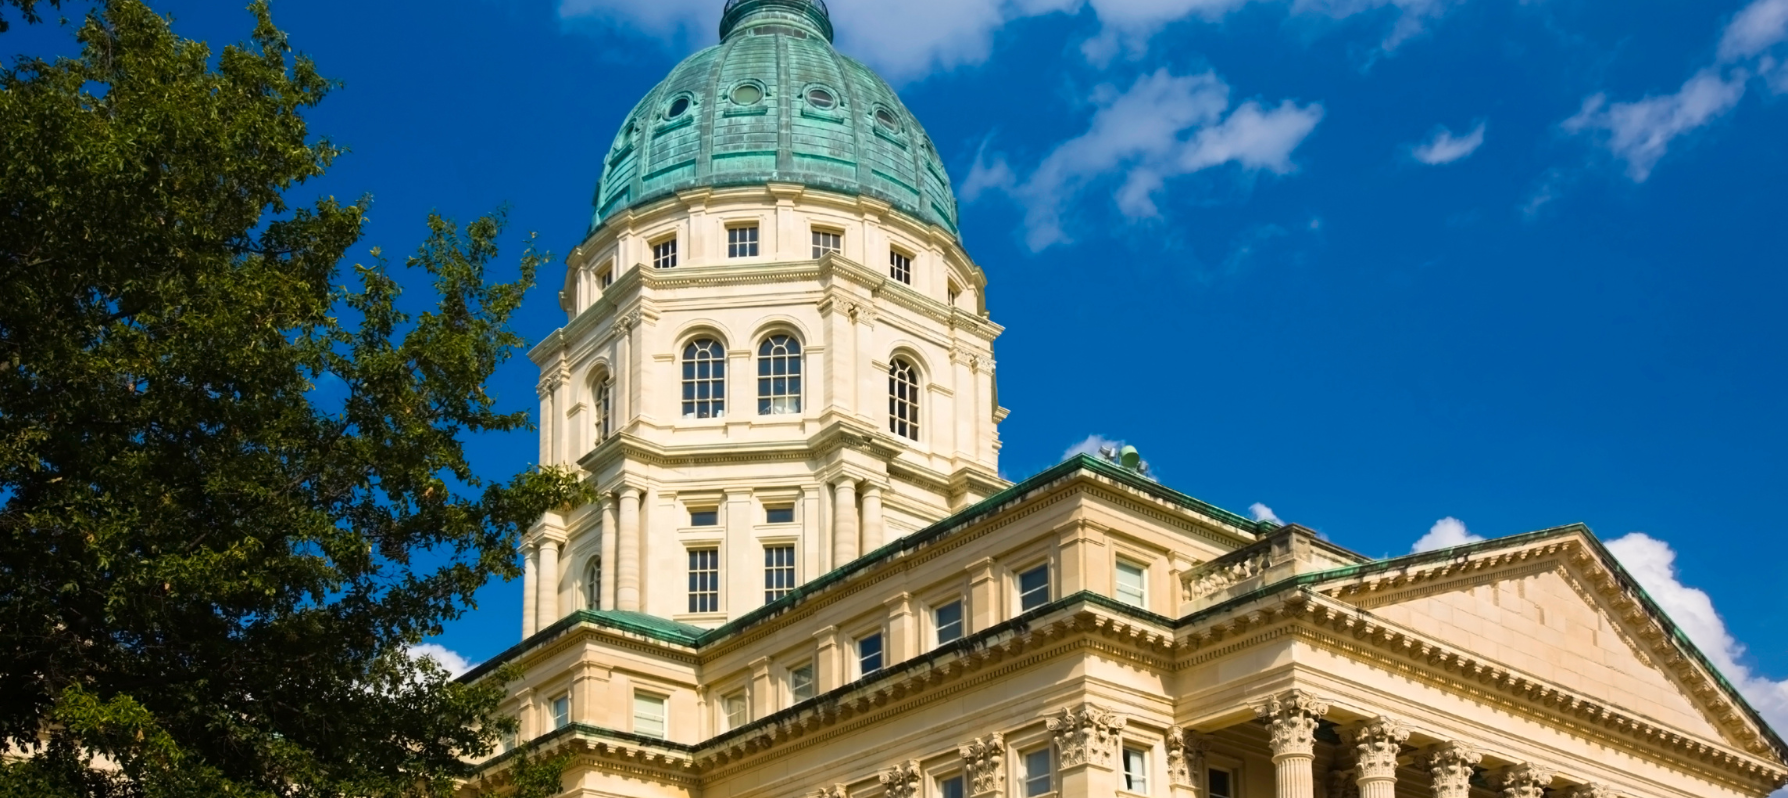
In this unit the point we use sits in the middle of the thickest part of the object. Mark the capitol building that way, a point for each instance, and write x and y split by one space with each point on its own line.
804 577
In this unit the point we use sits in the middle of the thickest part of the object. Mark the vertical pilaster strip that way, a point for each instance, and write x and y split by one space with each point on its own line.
1377 743
627 554
611 535
1186 754
530 584
1291 719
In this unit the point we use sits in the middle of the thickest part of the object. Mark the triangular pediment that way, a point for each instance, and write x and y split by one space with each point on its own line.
1557 608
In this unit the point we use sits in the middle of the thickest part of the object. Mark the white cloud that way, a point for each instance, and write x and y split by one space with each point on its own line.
1445 534
1640 132
1758 27
1262 512
1092 445
1443 147
447 658
1163 126
1653 563
912 39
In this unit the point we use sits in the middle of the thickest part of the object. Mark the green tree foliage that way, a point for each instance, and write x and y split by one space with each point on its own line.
209 577
27 8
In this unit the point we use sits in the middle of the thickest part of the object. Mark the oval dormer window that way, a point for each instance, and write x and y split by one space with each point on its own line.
747 94
886 119
821 99
678 107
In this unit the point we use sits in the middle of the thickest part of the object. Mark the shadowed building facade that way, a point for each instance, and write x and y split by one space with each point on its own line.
803 575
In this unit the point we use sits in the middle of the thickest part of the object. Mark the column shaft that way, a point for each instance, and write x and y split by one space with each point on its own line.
874 531
627 554
1293 777
610 557
844 522
546 603
530 582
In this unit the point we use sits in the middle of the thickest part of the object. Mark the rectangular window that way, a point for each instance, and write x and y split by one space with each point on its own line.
741 242
1132 584
953 293
779 572
704 580
950 788
869 654
779 515
562 711
1037 773
605 278
704 517
605 410
900 266
648 715
664 254
824 242
1220 783
736 713
1033 588
1136 771
800 682
948 620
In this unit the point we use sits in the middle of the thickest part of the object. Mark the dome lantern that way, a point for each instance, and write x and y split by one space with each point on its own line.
806 16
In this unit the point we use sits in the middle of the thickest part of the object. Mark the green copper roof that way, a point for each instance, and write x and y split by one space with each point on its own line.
773 102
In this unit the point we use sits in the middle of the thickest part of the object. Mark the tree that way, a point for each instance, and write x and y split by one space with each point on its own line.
209 575
27 8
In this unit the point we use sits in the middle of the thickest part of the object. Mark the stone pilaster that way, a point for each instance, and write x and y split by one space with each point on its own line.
627 552
1087 735
1376 744
1451 764
1522 781
546 603
844 522
1291 720
1186 750
984 760
901 781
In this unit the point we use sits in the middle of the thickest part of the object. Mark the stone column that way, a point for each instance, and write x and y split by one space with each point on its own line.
1186 750
546 603
627 554
530 584
1522 781
873 528
610 557
844 522
1377 743
984 763
1086 740
1291 719
1451 764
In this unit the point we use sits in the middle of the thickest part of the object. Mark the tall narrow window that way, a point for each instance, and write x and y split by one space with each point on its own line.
779 376
948 621
704 379
869 654
1037 766
800 682
1136 771
1033 588
1219 783
593 584
1132 584
741 242
824 242
605 409
903 399
704 580
779 572
735 708
664 254
953 292
900 266
605 278
950 788
648 715
562 711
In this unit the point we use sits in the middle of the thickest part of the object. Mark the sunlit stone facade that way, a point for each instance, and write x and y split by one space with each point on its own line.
825 589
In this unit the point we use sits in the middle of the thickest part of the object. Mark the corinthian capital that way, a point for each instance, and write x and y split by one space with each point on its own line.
1186 751
1086 736
983 758
1377 743
1451 765
1523 781
901 781
1291 718
1591 791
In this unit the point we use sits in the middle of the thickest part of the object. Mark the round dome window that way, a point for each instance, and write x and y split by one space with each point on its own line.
678 108
886 119
820 98
747 94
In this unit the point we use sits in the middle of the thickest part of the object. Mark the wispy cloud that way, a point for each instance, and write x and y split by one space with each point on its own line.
448 659
1261 512
1162 127
1092 445
1442 147
1755 29
1653 563
1445 534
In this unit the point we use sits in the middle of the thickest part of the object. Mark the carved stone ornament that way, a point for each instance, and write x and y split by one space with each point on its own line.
833 791
1523 781
1377 743
1186 751
1592 791
1344 783
1291 719
1216 578
1451 766
984 759
1086 736
901 781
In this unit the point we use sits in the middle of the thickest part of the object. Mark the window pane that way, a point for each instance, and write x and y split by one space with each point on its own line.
1136 765
704 518
950 788
734 706
903 399
648 715
704 580
800 683
1131 585
949 622
869 654
1220 784
704 379
779 571
779 515
777 356
1033 588
561 711
1036 773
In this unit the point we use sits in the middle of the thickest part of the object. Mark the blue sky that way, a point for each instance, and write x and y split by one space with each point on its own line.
1371 264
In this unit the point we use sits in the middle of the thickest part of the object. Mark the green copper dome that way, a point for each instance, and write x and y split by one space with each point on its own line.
773 102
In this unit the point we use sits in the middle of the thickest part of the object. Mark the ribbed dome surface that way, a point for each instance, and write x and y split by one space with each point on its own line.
774 102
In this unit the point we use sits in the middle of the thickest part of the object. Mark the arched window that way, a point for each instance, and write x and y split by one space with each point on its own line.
903 399
593 584
778 376
605 408
704 379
